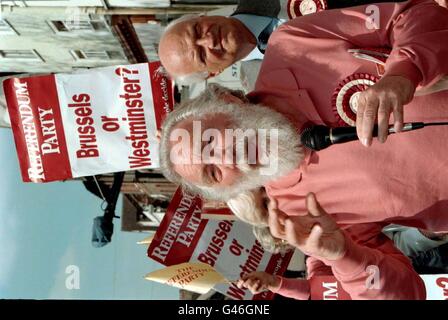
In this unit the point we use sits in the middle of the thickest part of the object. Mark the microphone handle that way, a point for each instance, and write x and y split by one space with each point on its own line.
346 134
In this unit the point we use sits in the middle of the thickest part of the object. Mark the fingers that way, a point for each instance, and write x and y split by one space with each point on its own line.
313 242
276 228
276 222
398 117
308 243
360 116
377 102
313 206
365 117
291 234
251 282
272 204
383 119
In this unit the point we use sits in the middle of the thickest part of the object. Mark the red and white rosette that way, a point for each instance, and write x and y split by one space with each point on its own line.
345 97
298 8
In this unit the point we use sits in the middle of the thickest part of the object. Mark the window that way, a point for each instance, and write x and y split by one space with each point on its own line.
6 28
78 25
116 55
97 55
20 55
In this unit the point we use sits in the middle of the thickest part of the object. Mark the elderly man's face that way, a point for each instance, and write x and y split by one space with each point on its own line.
208 170
204 44
220 148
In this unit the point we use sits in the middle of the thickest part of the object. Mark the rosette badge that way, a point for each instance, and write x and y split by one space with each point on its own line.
345 97
298 8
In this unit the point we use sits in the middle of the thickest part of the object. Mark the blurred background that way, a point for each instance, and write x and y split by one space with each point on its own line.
45 239
46 229
49 244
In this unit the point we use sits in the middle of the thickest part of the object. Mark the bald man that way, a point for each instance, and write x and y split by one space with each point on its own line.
194 48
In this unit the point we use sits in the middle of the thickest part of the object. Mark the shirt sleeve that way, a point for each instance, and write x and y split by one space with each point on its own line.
298 289
372 268
416 31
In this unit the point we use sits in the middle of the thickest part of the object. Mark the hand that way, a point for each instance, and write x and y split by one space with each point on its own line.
316 234
259 281
378 102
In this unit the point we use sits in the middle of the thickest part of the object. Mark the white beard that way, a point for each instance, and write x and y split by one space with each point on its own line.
287 158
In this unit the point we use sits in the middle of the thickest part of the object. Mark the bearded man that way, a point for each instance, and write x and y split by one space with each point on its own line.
404 181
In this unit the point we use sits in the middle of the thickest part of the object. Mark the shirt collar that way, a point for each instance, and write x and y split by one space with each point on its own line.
255 24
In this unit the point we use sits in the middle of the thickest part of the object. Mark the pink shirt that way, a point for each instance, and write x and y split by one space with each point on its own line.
403 181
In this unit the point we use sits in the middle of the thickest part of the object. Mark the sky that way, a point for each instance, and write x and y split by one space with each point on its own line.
45 241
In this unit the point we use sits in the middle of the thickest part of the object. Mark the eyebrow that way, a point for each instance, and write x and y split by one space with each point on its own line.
197 54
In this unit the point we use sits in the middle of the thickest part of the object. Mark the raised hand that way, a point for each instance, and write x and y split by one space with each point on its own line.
316 233
259 281
375 105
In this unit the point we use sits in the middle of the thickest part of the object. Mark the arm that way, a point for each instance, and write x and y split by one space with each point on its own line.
260 281
375 269
300 288
396 278
369 267
413 29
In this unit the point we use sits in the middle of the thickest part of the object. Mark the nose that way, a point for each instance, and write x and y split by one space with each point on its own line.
208 40
221 156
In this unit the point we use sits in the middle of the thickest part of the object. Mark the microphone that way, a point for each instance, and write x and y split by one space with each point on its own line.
321 137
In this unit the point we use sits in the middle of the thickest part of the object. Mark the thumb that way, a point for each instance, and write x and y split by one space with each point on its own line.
314 237
273 204
313 206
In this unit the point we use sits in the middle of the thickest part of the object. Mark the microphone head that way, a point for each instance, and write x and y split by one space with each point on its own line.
316 138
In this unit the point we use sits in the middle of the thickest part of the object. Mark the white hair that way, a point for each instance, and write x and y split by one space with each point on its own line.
268 242
246 116
192 78
246 208
195 77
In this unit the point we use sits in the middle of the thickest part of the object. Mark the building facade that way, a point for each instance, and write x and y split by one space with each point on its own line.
37 40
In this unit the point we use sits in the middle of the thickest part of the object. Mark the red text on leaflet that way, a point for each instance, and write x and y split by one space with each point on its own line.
253 261
35 170
443 283
88 147
217 242
213 251
138 132
174 232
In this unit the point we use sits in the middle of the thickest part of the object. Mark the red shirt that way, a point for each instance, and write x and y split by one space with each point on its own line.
304 75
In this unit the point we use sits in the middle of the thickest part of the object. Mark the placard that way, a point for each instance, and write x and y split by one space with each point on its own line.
97 121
